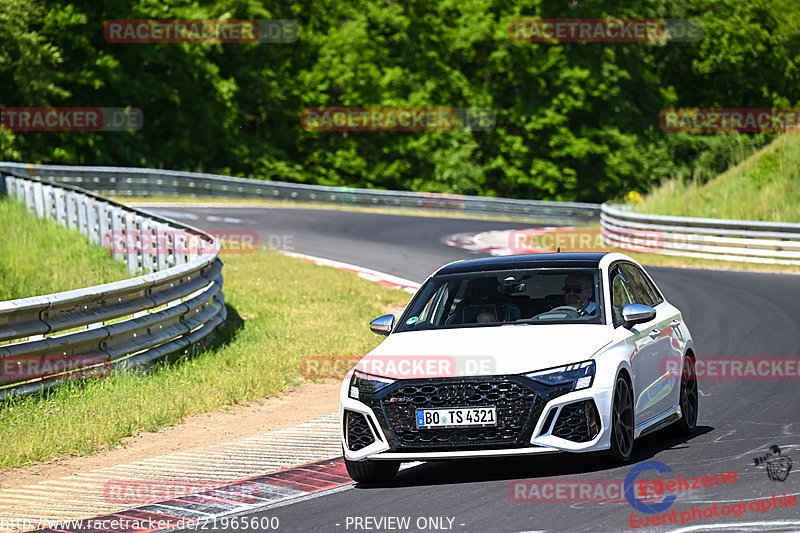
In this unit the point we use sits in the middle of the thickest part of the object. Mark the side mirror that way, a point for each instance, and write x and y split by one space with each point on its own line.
383 325
636 314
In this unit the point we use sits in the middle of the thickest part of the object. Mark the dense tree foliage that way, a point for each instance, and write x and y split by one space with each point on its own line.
575 121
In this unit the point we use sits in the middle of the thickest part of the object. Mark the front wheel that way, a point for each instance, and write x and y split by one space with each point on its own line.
622 423
372 471
688 401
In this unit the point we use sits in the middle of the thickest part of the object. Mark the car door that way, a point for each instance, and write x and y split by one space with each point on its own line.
641 339
661 354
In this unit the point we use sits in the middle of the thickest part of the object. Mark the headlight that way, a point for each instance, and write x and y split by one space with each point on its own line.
367 384
580 375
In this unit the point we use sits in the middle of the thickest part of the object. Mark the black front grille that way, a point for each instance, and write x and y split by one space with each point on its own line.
518 409
573 422
358 432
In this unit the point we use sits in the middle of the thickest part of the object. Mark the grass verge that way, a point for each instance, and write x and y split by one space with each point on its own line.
763 187
38 256
288 309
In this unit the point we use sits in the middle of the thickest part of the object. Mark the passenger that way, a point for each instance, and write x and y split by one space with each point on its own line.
486 316
578 292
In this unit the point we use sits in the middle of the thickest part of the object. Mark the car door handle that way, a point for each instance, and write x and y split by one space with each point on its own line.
675 323
654 334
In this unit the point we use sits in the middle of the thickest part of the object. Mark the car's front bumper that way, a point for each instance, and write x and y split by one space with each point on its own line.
376 435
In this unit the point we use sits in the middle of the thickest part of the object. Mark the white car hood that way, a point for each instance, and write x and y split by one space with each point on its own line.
484 351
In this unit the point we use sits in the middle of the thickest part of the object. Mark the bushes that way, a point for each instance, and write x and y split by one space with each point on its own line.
575 121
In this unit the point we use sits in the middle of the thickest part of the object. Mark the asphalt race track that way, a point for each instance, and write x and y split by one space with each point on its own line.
729 313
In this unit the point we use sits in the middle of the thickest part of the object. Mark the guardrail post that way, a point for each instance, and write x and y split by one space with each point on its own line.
72 210
27 188
49 204
61 207
38 200
162 246
91 222
134 245
119 241
3 189
15 189
104 226
82 204
181 247
146 240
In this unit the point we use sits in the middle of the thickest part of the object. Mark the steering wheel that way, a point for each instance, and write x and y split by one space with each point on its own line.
579 312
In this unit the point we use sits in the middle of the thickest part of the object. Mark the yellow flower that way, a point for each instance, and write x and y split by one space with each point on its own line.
633 197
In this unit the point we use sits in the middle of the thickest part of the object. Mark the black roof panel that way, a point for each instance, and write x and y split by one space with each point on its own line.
509 262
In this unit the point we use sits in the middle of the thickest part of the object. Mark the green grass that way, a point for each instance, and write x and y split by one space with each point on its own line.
37 256
766 186
288 309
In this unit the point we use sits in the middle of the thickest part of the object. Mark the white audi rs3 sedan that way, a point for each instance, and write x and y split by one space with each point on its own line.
520 355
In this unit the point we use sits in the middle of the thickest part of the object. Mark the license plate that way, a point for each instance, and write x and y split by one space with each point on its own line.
456 417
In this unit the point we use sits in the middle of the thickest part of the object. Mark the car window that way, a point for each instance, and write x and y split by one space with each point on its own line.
544 295
657 297
433 306
641 291
620 294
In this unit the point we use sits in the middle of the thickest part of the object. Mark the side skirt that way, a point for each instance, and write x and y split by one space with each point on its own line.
661 421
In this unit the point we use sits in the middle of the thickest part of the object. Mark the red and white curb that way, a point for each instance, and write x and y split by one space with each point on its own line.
224 500
384 279
110 489
497 242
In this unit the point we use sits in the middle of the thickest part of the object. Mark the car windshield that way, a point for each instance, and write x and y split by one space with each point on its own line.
530 296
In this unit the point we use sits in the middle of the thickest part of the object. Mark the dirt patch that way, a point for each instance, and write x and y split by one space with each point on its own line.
306 402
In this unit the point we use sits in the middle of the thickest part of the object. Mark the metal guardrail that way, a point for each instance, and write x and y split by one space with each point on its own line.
728 240
153 182
175 305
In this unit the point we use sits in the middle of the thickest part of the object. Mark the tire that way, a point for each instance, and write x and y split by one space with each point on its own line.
689 401
622 423
372 471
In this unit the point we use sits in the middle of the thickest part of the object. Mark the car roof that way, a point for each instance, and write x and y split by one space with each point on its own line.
510 262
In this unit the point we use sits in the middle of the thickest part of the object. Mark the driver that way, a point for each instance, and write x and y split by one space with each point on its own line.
578 292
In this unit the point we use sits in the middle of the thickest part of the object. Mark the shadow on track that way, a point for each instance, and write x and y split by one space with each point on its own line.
457 471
